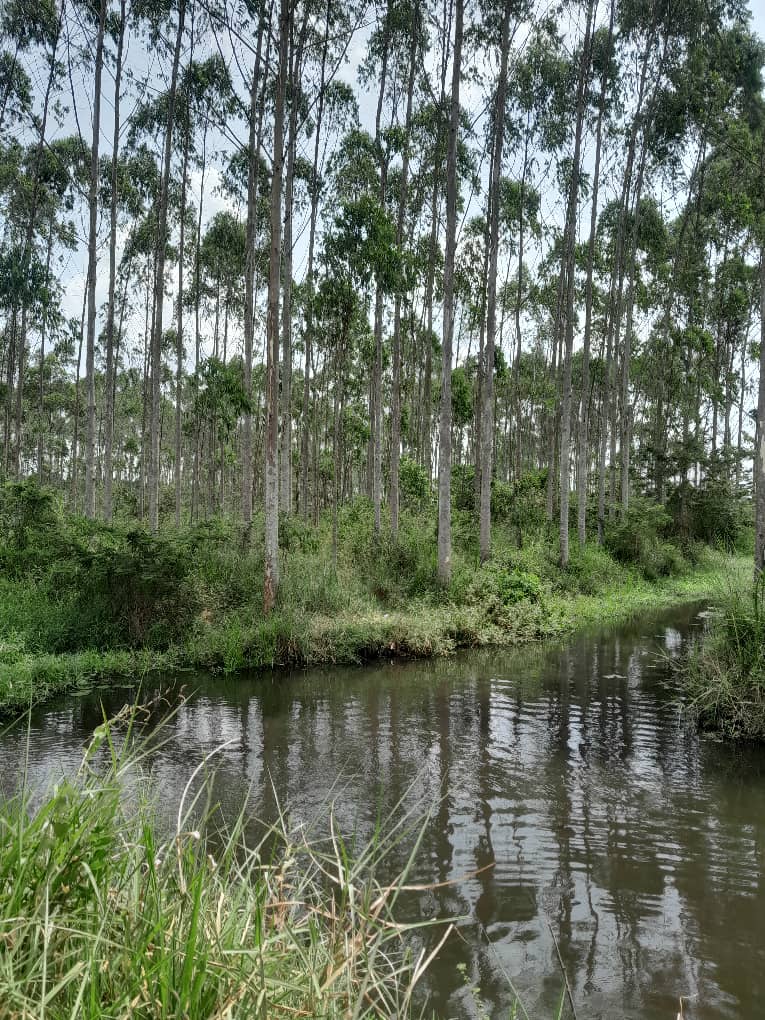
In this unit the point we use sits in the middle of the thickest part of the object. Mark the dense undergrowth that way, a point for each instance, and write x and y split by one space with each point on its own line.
81 600
724 672
105 912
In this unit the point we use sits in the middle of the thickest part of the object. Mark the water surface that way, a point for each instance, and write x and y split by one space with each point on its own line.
612 828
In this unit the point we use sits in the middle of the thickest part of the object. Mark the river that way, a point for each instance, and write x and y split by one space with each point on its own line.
564 775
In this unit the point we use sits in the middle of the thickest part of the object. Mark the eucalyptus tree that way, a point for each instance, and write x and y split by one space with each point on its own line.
179 20
271 474
567 285
487 392
120 30
90 347
445 421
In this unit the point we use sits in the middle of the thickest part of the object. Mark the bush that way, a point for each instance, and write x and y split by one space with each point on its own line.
724 673
390 569
414 484
130 589
713 513
30 528
640 540
505 586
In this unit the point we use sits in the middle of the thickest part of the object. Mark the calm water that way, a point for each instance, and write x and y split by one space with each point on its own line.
641 846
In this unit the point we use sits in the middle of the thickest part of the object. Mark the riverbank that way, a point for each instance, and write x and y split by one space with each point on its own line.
334 622
723 675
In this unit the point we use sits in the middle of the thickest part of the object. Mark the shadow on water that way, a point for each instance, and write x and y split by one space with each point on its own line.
566 769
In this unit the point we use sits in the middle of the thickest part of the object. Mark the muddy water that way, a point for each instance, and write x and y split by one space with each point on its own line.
611 828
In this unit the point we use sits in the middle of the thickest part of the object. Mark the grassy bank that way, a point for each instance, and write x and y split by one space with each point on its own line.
80 602
102 912
724 673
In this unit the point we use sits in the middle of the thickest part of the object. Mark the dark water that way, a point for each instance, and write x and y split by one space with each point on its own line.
608 822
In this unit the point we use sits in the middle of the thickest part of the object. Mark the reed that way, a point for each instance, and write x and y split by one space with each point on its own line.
106 912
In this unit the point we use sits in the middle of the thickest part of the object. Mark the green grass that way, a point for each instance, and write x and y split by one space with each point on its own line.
724 673
104 913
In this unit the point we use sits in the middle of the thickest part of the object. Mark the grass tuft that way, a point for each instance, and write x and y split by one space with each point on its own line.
105 913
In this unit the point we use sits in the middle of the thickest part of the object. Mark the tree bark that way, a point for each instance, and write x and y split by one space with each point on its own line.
253 149
159 280
445 422
487 394
90 342
271 559
110 312
759 459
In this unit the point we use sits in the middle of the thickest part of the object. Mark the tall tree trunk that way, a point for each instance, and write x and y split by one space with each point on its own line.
285 458
377 398
159 279
305 417
43 332
487 410
90 343
583 452
569 268
395 397
110 312
253 149
271 559
445 423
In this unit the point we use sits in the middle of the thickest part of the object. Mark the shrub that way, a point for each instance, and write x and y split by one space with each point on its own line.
30 528
713 513
296 534
126 588
414 484
640 540
505 586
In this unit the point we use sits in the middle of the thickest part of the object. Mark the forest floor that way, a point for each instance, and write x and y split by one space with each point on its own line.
133 605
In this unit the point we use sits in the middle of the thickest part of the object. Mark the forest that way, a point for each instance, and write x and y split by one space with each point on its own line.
336 334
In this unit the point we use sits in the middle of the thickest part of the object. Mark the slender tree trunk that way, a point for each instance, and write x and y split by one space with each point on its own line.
395 397
377 397
487 410
20 393
583 453
285 458
43 332
110 312
159 284
569 269
445 423
90 343
271 559
253 149
305 433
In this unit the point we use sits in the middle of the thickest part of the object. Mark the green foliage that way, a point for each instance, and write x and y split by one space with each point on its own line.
296 534
724 673
640 539
498 586
713 513
414 484
522 504
29 528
